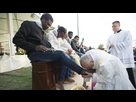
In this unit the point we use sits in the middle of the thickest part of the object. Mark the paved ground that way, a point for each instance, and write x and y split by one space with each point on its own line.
78 81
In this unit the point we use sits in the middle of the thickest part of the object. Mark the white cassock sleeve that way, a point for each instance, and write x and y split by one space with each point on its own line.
120 47
108 45
104 74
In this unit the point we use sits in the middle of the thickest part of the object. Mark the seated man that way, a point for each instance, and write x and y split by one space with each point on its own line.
68 49
31 37
111 73
69 37
52 37
75 46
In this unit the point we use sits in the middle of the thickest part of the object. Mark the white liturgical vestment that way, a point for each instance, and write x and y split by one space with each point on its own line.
111 74
122 49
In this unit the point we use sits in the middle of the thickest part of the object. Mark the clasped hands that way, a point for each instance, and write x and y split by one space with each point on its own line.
69 51
111 45
42 48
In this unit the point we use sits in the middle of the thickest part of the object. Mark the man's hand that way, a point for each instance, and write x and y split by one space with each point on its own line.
41 48
80 46
88 75
68 54
88 71
85 47
111 45
85 86
70 50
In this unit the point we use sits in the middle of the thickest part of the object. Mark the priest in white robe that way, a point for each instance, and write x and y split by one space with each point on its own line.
110 72
119 44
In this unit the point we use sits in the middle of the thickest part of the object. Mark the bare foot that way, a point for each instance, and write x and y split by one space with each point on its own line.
69 80
89 71
74 73
60 85
72 76
86 87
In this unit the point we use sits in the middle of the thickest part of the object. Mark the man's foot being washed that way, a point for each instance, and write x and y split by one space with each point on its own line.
69 80
60 85
89 71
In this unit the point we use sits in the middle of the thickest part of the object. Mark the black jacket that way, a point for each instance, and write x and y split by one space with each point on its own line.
29 36
74 45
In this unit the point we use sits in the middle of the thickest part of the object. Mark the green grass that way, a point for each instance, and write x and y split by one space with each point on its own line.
20 79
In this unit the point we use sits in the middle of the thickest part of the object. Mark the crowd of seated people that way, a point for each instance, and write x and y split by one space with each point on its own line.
60 40
40 47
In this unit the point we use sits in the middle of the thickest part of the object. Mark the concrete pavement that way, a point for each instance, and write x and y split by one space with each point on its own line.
78 82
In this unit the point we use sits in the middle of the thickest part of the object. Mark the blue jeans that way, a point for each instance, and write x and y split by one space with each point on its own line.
69 70
79 54
86 50
64 72
56 56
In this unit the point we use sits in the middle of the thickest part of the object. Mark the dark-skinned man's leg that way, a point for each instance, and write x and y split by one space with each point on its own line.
57 56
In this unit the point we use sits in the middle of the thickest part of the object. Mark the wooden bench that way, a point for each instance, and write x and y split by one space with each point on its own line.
44 75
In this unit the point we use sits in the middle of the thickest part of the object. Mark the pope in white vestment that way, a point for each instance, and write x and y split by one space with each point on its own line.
110 72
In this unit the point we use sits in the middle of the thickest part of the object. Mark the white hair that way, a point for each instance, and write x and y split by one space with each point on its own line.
86 58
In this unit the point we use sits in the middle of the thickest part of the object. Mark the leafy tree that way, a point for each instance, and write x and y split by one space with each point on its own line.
60 26
49 29
20 51
101 47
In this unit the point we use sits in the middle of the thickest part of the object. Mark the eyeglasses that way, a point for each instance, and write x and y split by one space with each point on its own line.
114 26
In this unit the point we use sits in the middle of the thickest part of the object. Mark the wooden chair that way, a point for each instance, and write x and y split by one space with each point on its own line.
44 75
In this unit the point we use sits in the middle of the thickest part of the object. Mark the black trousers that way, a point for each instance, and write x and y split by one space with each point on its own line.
131 76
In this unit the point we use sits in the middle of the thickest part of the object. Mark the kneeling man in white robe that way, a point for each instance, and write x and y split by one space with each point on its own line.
110 72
